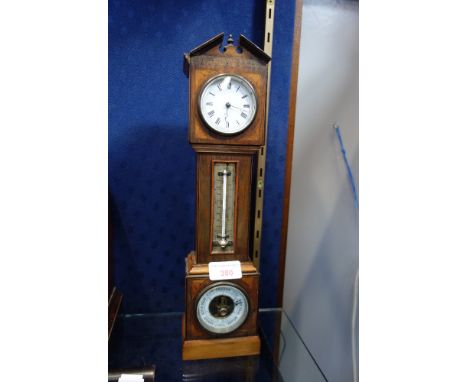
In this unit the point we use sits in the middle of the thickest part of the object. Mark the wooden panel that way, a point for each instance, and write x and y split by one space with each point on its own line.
234 149
194 269
204 207
195 284
203 68
220 348
289 150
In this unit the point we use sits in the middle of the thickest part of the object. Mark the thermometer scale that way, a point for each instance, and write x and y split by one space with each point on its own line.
224 175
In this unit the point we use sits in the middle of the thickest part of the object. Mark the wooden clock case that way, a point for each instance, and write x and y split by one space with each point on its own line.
209 60
200 65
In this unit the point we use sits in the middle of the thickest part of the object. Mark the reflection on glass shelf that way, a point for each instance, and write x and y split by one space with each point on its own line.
143 340
291 356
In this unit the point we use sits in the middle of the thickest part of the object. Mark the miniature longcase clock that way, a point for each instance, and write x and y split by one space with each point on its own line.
227 102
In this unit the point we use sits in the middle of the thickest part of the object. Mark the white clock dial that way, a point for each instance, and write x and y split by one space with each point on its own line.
228 104
222 308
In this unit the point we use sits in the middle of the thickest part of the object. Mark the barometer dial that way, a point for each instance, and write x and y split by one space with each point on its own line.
222 308
228 104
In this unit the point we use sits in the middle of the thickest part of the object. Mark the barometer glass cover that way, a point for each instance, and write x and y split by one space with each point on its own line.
222 308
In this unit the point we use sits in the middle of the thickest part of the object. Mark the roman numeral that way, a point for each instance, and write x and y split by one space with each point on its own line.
227 124
237 122
211 93
238 89
244 96
209 103
229 85
247 106
219 86
218 121
211 113
243 115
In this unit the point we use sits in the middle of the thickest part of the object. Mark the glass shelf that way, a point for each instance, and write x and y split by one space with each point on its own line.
155 339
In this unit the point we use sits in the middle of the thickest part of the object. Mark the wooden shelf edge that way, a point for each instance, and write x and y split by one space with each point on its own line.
220 348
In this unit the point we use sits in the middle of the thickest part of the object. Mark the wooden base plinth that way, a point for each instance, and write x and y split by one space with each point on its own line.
220 348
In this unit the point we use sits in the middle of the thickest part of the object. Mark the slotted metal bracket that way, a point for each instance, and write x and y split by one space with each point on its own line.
259 195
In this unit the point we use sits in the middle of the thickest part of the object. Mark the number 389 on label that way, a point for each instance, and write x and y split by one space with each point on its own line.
225 270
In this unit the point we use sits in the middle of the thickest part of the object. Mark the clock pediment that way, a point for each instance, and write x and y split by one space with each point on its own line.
213 47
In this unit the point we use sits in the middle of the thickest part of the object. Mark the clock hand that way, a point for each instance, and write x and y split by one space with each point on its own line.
235 107
228 105
224 83
226 116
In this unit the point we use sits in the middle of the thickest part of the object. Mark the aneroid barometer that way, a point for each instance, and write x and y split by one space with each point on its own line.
227 102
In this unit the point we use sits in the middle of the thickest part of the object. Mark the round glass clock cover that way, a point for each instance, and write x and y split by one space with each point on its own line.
222 308
228 104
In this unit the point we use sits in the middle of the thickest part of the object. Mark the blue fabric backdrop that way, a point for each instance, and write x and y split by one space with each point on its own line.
151 164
